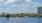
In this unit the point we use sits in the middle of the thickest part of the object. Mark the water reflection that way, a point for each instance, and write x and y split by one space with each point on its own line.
39 20
20 20
4 20
7 16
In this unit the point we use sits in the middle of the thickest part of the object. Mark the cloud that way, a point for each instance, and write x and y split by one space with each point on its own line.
10 1
28 0
23 6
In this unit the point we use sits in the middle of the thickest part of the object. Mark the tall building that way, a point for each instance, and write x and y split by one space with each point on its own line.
39 10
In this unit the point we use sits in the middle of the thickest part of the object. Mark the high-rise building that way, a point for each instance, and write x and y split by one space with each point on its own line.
39 10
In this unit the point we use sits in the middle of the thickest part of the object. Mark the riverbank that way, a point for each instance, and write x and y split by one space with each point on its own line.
22 15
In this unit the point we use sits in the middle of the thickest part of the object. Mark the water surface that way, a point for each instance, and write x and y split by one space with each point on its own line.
20 20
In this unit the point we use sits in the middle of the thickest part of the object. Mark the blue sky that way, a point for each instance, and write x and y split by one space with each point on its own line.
40 1
19 6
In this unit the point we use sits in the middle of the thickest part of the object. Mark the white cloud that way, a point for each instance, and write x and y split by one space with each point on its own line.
28 0
22 8
10 1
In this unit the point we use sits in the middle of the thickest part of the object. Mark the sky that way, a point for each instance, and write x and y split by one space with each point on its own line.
19 6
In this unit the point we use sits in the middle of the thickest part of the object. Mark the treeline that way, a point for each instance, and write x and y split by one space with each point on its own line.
25 15
21 15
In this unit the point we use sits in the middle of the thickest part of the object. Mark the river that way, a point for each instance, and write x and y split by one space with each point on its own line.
20 20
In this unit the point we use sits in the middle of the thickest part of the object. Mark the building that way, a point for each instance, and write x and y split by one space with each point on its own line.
39 10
